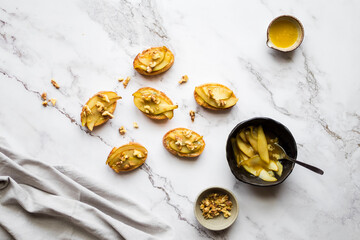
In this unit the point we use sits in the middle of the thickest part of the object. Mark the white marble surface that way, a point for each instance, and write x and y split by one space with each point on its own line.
86 45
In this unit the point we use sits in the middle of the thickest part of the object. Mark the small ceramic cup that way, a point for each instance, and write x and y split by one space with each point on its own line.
299 28
218 223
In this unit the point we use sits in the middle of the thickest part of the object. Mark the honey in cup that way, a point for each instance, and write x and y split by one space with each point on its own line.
285 33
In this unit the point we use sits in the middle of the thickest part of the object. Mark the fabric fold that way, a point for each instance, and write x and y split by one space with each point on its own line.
4 182
61 203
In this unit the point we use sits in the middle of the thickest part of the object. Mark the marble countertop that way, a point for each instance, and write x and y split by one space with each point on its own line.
86 45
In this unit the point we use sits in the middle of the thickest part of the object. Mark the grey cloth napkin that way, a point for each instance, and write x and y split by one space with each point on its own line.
38 201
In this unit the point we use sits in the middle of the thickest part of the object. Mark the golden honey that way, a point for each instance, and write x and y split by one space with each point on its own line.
283 33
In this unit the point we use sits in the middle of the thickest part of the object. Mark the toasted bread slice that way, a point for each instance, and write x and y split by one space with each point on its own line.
161 63
109 106
160 95
156 117
204 104
119 163
168 142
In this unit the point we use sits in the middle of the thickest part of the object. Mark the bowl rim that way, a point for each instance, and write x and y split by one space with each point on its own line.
235 129
292 47
234 216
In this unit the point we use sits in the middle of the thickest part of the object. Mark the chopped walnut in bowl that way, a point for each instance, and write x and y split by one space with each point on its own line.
213 202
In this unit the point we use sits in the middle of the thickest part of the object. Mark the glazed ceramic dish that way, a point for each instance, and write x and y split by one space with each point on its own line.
286 140
218 223
296 24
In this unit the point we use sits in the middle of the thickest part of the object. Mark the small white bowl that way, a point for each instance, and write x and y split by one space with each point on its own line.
299 27
218 223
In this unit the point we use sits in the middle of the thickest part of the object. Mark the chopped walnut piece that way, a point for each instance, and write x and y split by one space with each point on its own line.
155 99
270 147
214 204
135 125
184 79
138 154
121 79
43 96
87 110
122 130
123 157
155 55
55 84
220 102
152 64
126 82
107 114
53 101
100 107
178 142
146 97
276 156
189 145
192 115
187 133
148 69
44 103
148 109
211 94
104 97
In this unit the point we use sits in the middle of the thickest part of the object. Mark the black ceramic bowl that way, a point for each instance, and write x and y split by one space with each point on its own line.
274 128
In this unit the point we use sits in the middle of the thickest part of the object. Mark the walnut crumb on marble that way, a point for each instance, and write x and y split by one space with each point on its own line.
120 79
45 103
122 130
126 82
135 125
53 101
55 84
43 96
192 115
184 79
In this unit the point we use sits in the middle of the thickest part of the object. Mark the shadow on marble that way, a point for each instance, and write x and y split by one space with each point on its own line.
159 77
217 112
283 57
216 234
221 232
261 192
187 159
158 121
266 192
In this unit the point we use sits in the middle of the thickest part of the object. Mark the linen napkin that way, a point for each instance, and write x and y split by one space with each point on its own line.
38 201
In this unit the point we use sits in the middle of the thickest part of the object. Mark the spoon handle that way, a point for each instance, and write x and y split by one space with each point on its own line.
310 167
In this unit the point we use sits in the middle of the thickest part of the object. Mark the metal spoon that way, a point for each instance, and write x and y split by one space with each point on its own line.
285 156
